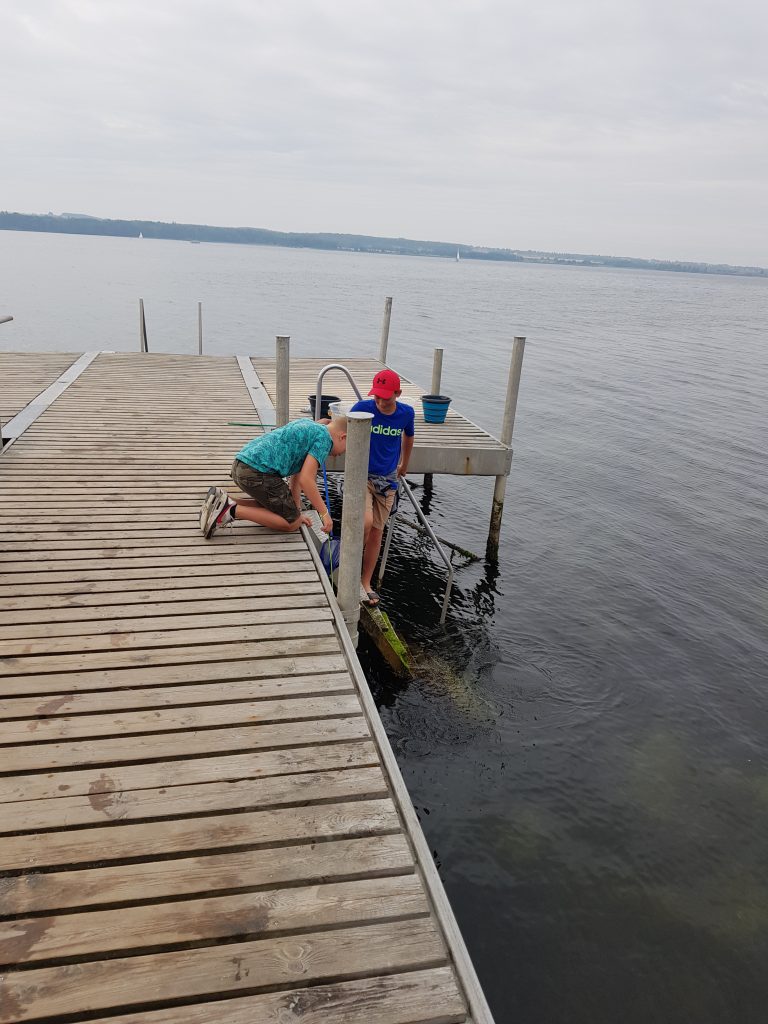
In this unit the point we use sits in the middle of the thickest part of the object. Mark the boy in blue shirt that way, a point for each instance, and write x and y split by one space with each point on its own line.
391 446
295 451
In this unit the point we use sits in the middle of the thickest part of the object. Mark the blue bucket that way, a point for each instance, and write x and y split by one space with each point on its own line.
435 408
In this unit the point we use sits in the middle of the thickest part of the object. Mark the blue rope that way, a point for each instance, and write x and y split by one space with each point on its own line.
328 507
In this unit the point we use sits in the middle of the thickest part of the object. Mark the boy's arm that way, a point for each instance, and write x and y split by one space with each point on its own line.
405 455
308 481
295 486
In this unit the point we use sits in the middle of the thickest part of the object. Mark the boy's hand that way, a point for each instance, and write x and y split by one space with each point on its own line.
326 523
401 470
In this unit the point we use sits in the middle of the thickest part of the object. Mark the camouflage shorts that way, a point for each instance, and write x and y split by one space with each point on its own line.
269 489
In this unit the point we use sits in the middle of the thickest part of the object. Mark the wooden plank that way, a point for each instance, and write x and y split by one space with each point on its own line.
421 996
416 997
15 594
16 657
203 716
146 568
99 606
128 545
118 779
215 692
186 801
165 668
92 846
71 536
256 611
207 874
165 746
247 914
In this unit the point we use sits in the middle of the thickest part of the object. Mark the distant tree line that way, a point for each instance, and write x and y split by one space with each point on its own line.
74 224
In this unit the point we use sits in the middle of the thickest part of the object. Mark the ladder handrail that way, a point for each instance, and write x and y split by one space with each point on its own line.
319 391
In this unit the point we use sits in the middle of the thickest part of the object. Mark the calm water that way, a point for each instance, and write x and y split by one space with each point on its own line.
586 745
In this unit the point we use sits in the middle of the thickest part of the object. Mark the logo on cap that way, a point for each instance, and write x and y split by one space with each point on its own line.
385 384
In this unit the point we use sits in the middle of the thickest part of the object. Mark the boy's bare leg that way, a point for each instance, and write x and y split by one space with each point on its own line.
255 513
370 557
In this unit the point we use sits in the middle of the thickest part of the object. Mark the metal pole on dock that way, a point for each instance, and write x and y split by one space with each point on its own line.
352 517
508 426
385 330
199 328
3 320
142 328
437 371
283 380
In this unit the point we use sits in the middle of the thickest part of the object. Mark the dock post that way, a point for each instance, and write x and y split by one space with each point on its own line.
437 373
385 330
3 320
283 380
142 328
199 328
510 407
352 517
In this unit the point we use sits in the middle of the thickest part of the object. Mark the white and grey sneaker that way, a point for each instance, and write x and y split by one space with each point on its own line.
220 514
205 508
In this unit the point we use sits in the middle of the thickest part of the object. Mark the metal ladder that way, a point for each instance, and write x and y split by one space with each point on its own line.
403 487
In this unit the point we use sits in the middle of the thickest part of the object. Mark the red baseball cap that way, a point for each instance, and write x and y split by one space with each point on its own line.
385 384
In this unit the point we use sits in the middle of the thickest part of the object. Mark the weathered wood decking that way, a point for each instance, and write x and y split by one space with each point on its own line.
24 375
201 818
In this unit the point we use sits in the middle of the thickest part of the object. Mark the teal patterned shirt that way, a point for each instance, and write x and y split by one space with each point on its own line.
283 450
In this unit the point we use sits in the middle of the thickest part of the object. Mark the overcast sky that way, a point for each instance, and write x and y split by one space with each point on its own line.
624 127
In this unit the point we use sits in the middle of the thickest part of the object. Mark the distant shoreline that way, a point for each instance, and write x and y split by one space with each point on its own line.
81 224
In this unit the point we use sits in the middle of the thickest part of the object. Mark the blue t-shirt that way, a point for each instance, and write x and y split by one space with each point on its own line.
284 450
386 436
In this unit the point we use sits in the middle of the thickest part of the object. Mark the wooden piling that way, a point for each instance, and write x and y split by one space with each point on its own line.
283 375
385 330
508 426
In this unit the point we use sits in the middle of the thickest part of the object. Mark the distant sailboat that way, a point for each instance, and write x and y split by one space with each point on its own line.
458 257
140 235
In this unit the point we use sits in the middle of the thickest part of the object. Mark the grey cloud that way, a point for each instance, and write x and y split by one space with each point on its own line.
590 126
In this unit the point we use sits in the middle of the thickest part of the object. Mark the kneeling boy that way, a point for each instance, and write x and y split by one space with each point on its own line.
295 451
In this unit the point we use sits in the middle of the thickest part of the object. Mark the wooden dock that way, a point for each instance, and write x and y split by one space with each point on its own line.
202 820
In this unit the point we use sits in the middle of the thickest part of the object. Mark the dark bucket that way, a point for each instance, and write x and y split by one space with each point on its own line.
325 401
435 408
